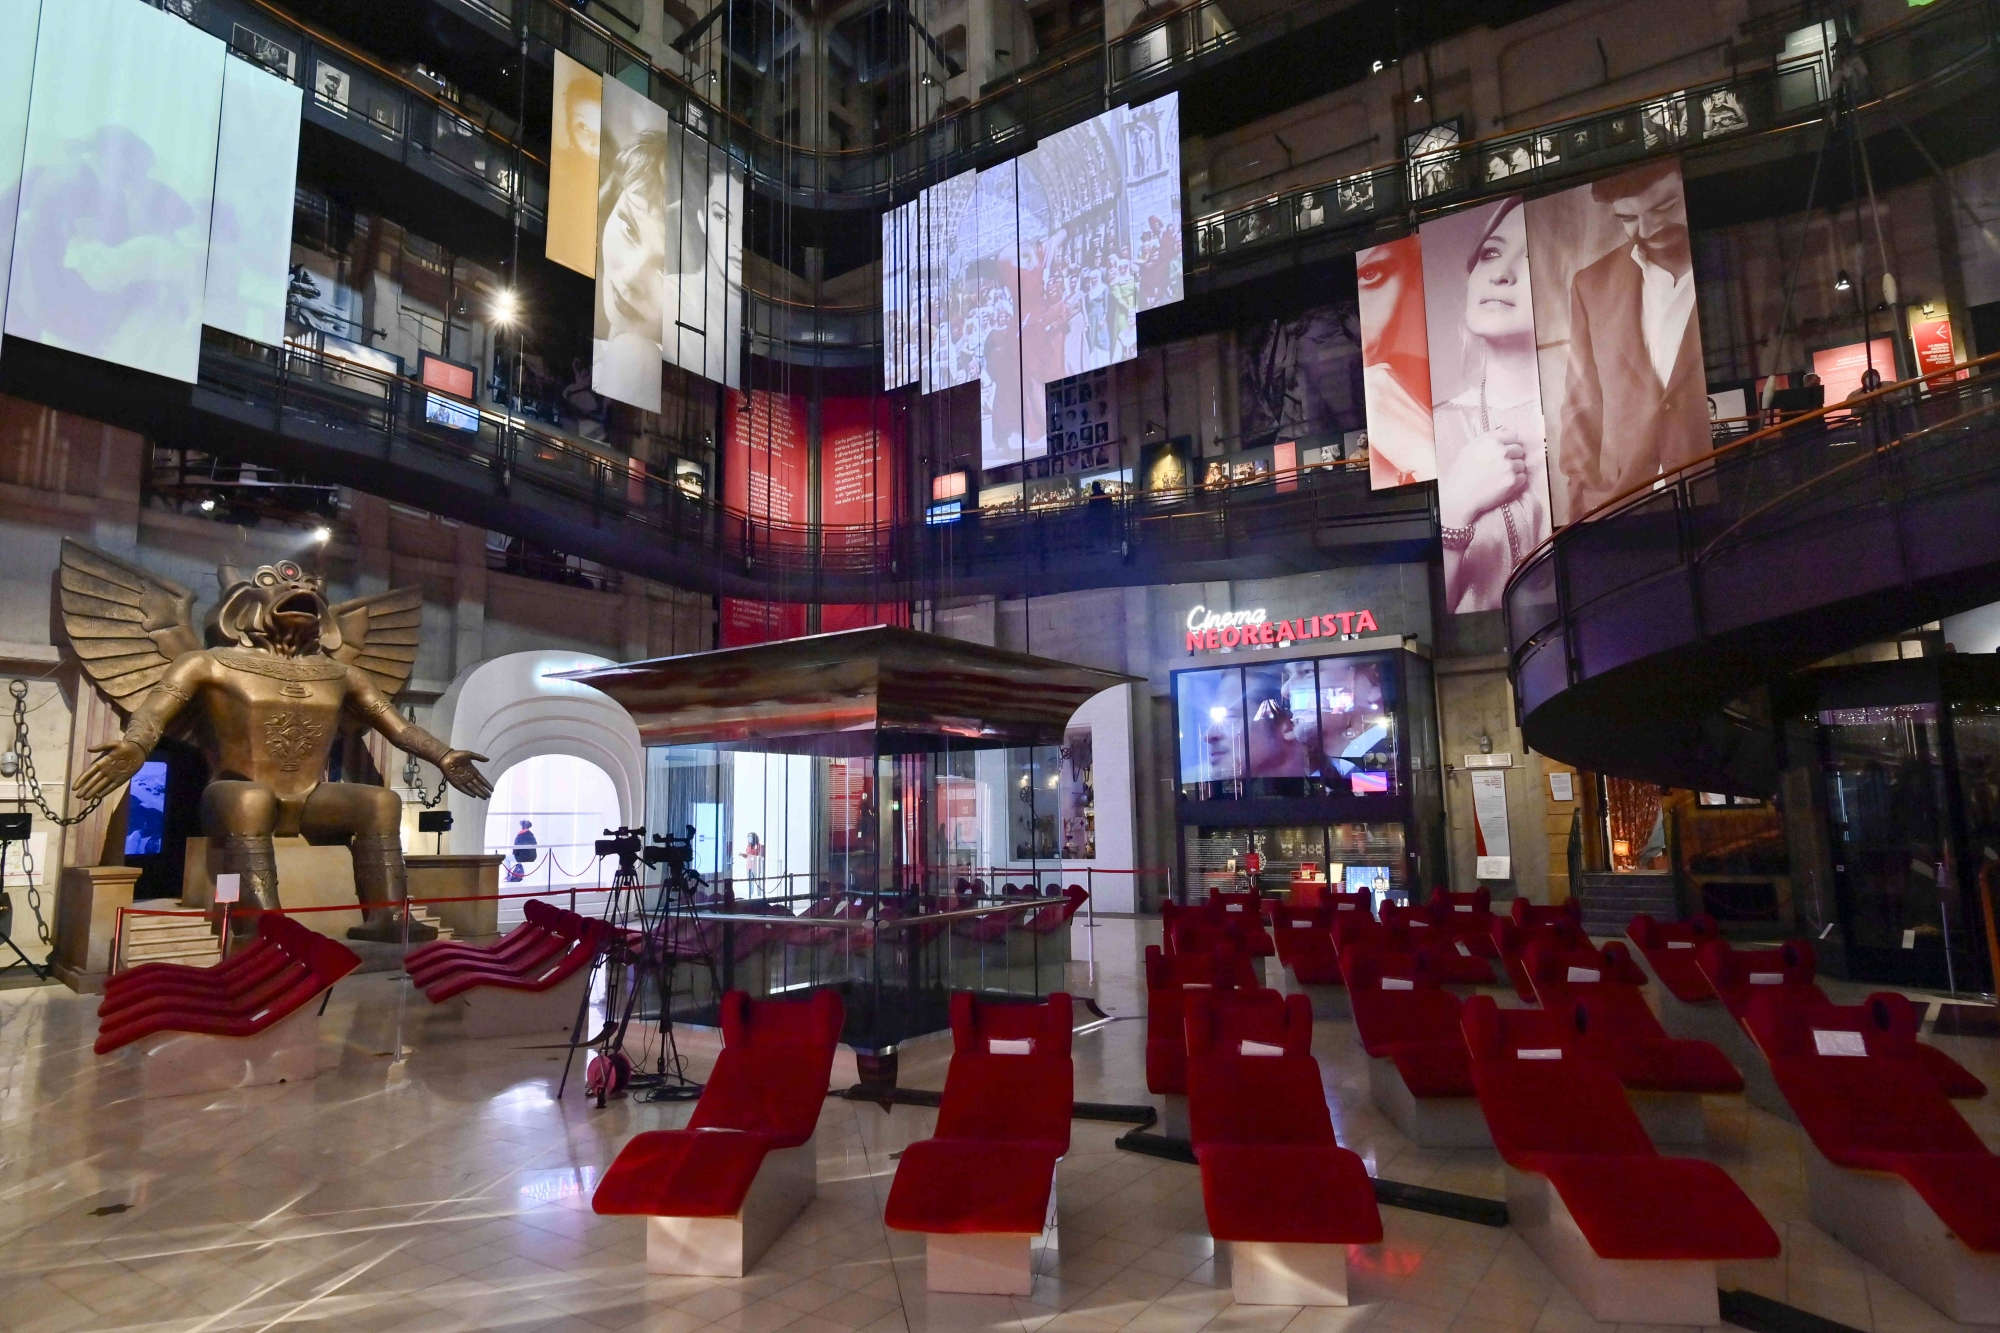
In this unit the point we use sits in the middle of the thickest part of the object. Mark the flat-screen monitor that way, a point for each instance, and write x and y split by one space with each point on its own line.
146 811
449 400
948 511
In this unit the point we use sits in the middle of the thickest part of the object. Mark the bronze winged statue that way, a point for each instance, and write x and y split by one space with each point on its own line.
264 699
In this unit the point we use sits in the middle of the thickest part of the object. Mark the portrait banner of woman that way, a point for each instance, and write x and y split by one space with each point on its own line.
702 301
635 151
574 118
1486 399
1395 364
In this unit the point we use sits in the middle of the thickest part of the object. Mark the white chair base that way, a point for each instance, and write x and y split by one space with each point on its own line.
1613 1291
1428 1122
1173 1123
173 1064
1712 1022
494 1011
729 1246
1327 1001
1884 1220
1285 1273
989 1263
1670 1117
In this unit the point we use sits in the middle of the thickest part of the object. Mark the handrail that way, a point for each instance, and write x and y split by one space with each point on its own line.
1707 460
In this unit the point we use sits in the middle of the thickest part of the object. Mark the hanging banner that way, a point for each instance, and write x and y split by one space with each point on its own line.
859 469
764 457
1489 825
574 118
1930 339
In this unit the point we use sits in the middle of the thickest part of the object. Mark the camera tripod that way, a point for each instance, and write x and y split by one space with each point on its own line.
661 931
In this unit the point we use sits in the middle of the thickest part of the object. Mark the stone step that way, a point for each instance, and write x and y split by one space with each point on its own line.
175 952
165 927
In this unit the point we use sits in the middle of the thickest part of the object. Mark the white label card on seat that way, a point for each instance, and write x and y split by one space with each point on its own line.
1461 907
1232 907
1195 985
1344 907
1767 978
1837 1042
1258 1048
1398 983
1462 950
1539 1053
1006 1046
1301 925
1584 974
1680 944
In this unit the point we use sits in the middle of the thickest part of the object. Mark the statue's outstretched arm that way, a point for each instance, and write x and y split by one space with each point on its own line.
117 762
374 708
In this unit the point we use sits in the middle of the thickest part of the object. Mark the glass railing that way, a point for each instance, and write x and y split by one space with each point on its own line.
626 518
1906 442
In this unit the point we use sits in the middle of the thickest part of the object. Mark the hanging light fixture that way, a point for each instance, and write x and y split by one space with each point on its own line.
1843 283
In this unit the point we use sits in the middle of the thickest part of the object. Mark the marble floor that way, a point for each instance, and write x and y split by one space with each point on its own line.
430 1184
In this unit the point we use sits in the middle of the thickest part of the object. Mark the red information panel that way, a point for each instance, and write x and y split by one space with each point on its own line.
1931 339
747 622
859 468
764 463
860 615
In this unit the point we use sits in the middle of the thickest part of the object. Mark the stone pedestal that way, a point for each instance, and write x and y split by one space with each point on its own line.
87 903
308 876
459 877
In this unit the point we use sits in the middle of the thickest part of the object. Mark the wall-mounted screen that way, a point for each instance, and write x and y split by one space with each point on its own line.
118 178
256 175
1321 726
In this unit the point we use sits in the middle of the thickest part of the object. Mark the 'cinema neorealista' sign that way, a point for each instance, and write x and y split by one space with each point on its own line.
1212 631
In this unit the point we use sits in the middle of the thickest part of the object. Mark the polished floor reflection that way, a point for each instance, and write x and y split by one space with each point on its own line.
431 1184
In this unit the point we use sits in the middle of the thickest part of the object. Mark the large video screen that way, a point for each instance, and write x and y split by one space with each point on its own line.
1304 726
17 67
111 239
1035 270
256 174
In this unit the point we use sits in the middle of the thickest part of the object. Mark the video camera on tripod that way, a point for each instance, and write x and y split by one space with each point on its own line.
627 844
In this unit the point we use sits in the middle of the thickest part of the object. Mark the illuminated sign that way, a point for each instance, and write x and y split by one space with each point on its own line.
1212 631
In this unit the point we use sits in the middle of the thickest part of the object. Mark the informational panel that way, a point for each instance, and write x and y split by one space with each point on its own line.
111 241
1492 844
764 457
859 468
1841 369
256 178
746 622
632 191
1930 340
1486 399
575 119
1623 387
18 22
1395 364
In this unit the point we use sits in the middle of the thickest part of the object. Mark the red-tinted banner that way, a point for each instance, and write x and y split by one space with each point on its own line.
764 463
860 469
746 622
1931 340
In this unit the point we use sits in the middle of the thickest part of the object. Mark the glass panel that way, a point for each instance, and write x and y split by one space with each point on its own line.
1885 811
1356 855
1635 829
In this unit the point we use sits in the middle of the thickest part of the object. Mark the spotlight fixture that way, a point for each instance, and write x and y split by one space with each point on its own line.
322 534
928 81
506 306
1376 68
1417 97
1843 283
208 505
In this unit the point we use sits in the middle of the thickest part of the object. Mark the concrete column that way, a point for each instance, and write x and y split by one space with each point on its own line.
469 609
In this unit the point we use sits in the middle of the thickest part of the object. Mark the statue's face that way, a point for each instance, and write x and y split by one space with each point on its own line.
279 608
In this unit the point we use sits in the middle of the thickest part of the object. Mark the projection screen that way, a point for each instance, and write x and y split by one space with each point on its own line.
250 234
111 243
18 19
1035 270
632 213
702 300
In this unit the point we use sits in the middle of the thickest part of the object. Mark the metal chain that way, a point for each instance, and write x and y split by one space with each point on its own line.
425 797
28 788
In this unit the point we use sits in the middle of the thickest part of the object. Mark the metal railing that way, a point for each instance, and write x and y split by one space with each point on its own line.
1916 53
1905 442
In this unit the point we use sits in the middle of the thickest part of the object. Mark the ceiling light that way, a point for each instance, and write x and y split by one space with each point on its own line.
1376 68
506 306
322 534
1842 283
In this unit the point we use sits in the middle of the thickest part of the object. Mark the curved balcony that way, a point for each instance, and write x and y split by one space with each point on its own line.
328 420
1638 634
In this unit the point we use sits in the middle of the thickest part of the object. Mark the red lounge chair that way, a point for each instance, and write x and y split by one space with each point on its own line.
236 975
1308 964
1278 1189
1171 979
1513 938
1669 950
1635 1236
1464 916
1892 1169
1785 976
534 921
1418 1075
982 1189
538 991
717 1194
535 941
1054 917
257 1025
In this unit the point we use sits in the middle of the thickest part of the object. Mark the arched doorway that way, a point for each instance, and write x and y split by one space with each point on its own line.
563 803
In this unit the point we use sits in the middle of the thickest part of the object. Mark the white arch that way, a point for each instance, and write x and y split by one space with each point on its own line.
508 709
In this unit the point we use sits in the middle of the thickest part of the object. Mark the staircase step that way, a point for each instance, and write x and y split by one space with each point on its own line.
175 953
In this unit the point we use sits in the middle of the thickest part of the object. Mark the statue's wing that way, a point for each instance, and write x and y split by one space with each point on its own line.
379 635
125 626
